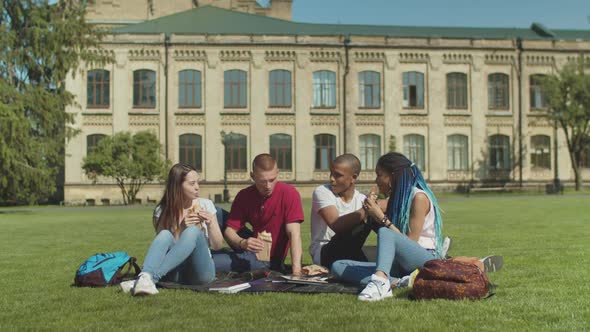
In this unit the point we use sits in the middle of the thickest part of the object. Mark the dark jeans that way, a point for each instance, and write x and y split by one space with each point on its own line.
347 245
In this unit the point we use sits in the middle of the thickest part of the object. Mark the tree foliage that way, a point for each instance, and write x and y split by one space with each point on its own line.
131 160
568 95
40 44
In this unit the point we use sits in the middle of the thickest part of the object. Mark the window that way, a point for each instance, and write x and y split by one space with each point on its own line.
458 153
280 88
499 150
324 89
189 89
457 91
369 89
97 89
498 95
540 152
235 152
325 151
234 89
190 150
413 89
92 141
144 88
538 96
370 150
280 150
414 149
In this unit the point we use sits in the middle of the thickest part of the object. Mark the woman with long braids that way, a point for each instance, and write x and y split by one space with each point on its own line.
186 226
411 229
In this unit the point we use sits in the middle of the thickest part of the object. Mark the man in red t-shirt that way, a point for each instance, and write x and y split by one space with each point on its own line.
268 205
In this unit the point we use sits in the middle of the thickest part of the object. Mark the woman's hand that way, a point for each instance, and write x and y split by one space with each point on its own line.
192 219
373 209
205 216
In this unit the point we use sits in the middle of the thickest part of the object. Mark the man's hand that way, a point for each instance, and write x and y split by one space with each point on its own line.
252 244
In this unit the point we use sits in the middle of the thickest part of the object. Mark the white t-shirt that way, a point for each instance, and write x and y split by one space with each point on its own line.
206 204
320 232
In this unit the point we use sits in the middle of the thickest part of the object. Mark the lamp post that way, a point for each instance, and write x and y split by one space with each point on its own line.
224 138
556 181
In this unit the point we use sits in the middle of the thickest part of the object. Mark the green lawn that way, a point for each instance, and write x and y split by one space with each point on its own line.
543 286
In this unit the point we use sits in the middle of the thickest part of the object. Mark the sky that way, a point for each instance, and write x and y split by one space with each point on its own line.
553 14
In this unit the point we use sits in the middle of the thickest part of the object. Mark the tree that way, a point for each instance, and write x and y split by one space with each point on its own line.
40 44
132 161
568 96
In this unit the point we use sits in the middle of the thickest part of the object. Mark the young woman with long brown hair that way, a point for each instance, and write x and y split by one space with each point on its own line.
186 226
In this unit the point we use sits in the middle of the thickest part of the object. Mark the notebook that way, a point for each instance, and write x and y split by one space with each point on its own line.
232 286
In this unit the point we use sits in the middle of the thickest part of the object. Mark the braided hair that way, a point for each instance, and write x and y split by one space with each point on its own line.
405 176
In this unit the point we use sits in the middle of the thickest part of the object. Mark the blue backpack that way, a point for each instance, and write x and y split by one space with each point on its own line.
102 270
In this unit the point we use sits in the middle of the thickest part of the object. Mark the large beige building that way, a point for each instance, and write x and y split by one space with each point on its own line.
463 103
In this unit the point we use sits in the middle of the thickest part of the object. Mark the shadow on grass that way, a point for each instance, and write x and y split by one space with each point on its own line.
16 212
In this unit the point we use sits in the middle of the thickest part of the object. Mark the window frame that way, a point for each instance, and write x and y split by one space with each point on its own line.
324 83
545 156
282 152
192 88
239 150
494 146
92 140
460 142
324 142
186 149
369 79
457 91
104 85
496 89
536 88
280 80
409 149
369 152
235 84
418 77
140 86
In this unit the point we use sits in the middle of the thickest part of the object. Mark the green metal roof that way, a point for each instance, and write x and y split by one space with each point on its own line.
213 20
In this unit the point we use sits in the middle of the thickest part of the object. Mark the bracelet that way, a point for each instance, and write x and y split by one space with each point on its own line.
384 219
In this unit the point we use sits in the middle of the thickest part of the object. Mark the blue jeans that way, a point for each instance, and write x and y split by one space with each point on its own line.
186 260
397 256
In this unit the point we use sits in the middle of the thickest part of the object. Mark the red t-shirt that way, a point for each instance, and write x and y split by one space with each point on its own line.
271 214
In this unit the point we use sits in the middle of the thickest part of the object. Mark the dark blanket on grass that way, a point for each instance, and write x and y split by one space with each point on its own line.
267 283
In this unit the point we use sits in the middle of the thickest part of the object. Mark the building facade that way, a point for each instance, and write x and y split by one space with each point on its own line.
222 81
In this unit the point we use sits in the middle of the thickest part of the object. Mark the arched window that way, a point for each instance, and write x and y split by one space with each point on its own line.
281 151
324 89
236 152
540 152
369 89
144 88
92 141
498 92
190 150
369 150
97 89
456 91
413 89
279 88
325 151
458 152
189 88
414 149
537 94
499 152
235 89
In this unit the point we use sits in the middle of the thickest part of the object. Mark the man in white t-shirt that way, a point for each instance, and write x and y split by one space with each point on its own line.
338 227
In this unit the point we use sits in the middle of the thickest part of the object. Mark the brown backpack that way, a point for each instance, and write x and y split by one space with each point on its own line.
450 279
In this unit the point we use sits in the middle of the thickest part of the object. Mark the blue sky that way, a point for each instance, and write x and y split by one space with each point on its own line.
554 14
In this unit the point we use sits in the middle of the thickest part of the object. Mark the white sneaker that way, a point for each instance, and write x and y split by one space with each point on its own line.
446 246
492 263
377 289
127 286
144 285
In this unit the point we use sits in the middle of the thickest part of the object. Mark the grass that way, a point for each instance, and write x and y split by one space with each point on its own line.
543 285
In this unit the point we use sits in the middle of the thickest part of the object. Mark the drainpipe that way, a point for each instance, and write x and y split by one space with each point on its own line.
346 44
520 72
166 46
